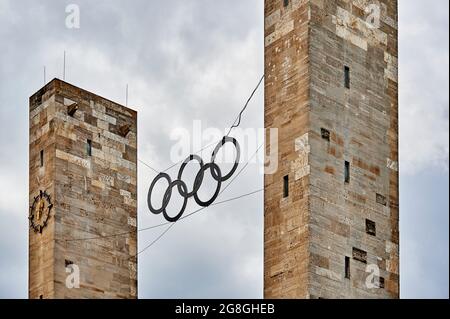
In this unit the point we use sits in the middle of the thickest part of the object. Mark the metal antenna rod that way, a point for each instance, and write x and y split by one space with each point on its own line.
64 66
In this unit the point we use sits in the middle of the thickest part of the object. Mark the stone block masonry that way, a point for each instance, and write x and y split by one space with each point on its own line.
332 91
90 171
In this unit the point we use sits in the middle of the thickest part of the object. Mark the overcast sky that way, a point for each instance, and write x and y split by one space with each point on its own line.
199 60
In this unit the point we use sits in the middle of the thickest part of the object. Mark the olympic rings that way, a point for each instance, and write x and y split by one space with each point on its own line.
225 140
167 195
165 200
214 170
198 182
181 186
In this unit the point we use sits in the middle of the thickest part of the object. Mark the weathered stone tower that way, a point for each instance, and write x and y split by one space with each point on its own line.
332 208
83 171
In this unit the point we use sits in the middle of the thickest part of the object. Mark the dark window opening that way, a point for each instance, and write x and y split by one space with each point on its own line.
381 282
381 199
68 262
347 172
286 186
347 77
124 130
360 255
89 148
347 267
371 227
41 158
325 134
71 109
286 3
41 296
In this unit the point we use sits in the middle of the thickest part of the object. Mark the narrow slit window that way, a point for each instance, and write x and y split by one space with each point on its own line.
41 158
347 267
286 3
286 186
89 148
347 77
347 172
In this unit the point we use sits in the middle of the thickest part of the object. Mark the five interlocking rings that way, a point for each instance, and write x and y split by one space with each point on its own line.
216 173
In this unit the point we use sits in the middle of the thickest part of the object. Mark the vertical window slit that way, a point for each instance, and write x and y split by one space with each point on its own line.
381 283
41 158
347 77
347 267
286 186
347 172
89 148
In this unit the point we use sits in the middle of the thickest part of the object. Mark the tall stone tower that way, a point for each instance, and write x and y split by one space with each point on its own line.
83 177
332 208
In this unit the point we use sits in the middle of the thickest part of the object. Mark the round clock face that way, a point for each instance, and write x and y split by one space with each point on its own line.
40 211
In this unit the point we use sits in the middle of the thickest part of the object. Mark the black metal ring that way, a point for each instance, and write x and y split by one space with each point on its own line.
181 185
197 183
168 194
226 139
213 167
165 199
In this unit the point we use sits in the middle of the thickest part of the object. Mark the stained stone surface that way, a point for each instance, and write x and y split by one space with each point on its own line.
307 236
93 195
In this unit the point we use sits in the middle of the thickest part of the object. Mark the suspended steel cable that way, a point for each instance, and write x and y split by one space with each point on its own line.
186 216
162 224
200 209
235 124
197 211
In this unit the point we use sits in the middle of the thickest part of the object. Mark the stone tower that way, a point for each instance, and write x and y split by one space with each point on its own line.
332 208
83 177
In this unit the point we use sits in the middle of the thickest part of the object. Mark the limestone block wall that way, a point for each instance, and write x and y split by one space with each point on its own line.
286 232
362 121
93 165
349 225
41 246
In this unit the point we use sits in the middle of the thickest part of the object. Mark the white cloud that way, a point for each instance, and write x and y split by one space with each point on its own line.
424 82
